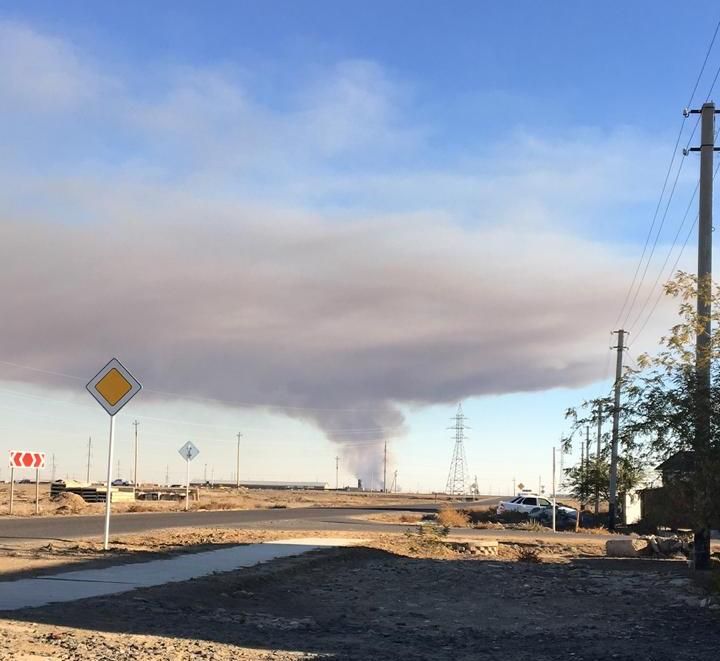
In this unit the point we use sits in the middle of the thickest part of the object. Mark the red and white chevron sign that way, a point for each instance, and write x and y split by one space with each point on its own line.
26 459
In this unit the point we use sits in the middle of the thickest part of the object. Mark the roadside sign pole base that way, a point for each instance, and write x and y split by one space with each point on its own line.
37 491
108 493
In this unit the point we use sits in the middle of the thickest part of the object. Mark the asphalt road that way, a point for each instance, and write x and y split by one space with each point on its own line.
306 518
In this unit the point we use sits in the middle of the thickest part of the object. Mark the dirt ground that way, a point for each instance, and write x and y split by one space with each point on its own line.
33 558
210 499
396 597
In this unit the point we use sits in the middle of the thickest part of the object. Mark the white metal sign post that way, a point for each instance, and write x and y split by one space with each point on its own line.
188 452
113 387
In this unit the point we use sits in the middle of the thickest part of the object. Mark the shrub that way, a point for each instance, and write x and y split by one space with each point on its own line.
410 518
427 539
531 524
141 507
528 554
212 505
453 518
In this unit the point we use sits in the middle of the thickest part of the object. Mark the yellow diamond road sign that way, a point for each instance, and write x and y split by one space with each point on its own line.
113 386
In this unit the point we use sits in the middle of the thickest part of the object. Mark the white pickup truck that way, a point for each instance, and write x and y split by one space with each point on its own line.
523 503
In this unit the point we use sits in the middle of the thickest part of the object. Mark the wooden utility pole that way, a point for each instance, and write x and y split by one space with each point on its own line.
597 456
554 525
583 476
337 472
703 343
587 465
612 518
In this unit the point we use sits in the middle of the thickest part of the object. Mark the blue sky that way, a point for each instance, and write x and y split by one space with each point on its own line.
349 215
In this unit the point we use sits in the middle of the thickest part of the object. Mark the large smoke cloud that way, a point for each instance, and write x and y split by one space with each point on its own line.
127 229
333 323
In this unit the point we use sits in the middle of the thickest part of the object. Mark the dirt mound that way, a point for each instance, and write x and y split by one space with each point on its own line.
69 503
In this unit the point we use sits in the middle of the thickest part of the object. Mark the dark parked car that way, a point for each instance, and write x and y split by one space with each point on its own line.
565 517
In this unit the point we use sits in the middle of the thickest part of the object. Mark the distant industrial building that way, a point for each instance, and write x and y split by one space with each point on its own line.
271 484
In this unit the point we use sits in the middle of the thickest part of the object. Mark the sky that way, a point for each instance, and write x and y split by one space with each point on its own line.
324 225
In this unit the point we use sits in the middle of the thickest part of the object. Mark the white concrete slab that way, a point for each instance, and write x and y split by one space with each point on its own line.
84 583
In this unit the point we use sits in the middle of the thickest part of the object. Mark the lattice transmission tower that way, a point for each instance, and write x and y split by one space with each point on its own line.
458 477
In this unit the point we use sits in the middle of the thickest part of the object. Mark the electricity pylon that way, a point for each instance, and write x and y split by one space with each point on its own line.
458 476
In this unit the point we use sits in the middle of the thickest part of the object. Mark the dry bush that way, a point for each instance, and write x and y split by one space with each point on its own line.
488 515
411 518
600 530
453 518
214 505
488 525
531 524
428 540
528 554
141 507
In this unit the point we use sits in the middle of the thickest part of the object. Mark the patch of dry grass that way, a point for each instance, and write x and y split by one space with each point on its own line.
453 518
140 506
600 530
531 524
528 554
213 505
410 518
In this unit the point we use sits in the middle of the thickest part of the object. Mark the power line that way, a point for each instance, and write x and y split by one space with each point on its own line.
655 241
281 407
677 260
350 430
667 258
652 224
660 294
665 182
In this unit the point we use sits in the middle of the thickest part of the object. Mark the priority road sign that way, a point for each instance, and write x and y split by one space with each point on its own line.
113 386
189 451
26 459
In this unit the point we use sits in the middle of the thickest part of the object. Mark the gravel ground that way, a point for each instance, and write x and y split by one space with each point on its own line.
371 604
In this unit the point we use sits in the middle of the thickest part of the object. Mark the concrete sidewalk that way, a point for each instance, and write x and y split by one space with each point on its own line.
70 586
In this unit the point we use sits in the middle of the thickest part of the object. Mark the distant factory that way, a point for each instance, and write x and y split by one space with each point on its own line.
269 484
